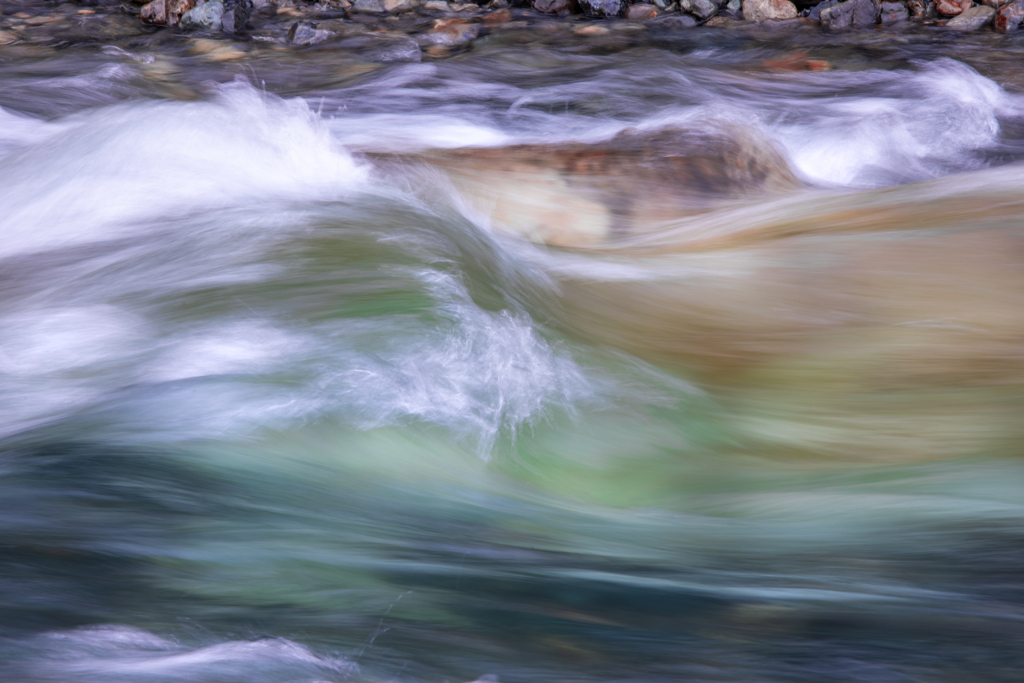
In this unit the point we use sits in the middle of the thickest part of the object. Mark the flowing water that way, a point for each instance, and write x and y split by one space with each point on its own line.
279 403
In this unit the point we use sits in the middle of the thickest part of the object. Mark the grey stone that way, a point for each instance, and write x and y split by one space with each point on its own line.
398 6
235 16
677 21
734 6
394 51
702 9
306 33
815 12
972 18
602 8
368 6
852 13
892 12
208 15
553 6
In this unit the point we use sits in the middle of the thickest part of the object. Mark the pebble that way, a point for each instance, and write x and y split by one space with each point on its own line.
591 30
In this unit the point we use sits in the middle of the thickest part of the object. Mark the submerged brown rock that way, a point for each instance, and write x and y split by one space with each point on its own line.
589 194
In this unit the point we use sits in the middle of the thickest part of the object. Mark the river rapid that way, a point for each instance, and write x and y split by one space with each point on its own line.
279 403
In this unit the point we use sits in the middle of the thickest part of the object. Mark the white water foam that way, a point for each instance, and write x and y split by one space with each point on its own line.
108 172
122 654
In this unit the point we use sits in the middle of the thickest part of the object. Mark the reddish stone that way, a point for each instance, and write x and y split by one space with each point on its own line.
499 17
952 7
1010 16
641 12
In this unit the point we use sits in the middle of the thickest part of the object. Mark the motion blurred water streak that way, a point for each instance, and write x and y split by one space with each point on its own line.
530 364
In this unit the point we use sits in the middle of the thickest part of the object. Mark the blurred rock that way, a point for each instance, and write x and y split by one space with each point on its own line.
765 10
154 12
1010 17
394 50
205 16
952 7
591 30
450 33
399 6
921 9
438 6
702 9
679 21
892 12
307 33
642 12
815 12
995 4
554 6
368 6
236 15
972 18
852 13
602 8
497 18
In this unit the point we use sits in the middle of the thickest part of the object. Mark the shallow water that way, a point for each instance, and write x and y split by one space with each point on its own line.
275 410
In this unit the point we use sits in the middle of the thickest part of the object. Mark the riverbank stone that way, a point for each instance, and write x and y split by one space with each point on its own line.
952 7
602 8
1010 16
768 10
205 16
554 6
972 18
850 14
892 12
702 9
641 12
306 33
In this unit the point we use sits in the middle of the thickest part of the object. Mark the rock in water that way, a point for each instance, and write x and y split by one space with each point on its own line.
602 8
852 13
641 12
702 9
306 33
154 12
1010 17
236 14
399 6
208 15
368 6
892 12
952 7
676 22
972 18
921 9
554 6
765 10
591 194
